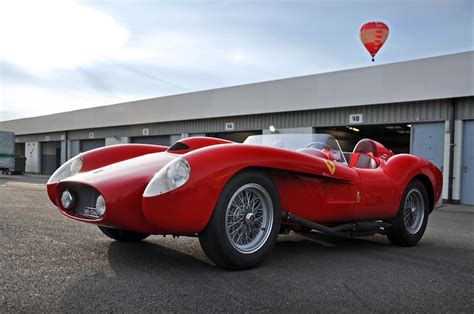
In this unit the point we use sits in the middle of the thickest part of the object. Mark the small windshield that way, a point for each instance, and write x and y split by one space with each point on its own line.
324 142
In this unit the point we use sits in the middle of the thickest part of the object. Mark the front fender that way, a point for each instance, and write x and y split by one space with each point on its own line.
104 156
189 208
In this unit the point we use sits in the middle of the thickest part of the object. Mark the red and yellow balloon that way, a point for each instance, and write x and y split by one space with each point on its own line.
373 35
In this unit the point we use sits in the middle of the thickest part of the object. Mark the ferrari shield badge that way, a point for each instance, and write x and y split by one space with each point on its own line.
331 166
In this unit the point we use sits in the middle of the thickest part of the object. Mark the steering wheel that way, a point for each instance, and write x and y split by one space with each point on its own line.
325 148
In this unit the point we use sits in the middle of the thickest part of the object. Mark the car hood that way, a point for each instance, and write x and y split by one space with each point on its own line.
121 184
128 174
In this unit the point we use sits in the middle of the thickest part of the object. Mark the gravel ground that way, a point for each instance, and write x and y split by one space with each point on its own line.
49 263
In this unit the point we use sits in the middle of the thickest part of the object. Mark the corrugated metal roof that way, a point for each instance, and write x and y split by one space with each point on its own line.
407 112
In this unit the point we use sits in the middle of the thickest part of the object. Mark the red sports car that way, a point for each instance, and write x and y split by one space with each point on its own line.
237 198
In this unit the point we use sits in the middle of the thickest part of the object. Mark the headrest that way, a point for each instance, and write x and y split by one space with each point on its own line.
366 146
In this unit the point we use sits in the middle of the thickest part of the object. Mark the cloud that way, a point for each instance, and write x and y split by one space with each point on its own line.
50 35
26 101
63 55
221 54
9 115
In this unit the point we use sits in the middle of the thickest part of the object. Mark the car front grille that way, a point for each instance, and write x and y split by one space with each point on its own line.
85 198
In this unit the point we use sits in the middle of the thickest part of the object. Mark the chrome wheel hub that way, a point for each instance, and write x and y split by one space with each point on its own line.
249 218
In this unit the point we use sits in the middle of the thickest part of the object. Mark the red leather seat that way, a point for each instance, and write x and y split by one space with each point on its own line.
364 161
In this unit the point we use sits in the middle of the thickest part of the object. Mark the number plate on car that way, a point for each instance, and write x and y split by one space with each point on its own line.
90 212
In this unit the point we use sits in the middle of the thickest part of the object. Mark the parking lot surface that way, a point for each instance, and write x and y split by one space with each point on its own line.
49 263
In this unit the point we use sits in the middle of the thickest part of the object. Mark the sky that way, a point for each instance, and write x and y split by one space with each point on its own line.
65 55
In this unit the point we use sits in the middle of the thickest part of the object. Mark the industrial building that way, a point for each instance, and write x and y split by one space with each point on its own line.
424 107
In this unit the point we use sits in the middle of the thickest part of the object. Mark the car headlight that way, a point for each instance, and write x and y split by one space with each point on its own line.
68 169
170 177
67 200
100 206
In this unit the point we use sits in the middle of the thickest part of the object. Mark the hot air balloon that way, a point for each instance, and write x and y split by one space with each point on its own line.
373 35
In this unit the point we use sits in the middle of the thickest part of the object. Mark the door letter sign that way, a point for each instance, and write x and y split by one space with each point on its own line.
356 118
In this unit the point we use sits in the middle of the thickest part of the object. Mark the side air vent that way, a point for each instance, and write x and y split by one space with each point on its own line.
178 146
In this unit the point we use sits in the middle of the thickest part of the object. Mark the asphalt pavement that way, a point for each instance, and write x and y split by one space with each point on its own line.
49 263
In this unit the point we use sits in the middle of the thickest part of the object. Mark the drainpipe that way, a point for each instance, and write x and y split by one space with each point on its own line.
66 141
452 117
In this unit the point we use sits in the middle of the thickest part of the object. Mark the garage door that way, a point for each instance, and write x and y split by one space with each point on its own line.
50 157
467 170
427 141
91 144
155 140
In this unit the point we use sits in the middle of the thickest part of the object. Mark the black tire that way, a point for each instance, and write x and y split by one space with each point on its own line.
215 240
401 233
123 235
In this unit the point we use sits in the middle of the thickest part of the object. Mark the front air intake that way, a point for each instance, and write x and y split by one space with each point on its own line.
84 200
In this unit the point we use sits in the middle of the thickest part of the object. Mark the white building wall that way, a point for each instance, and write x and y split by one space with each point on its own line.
303 130
33 157
116 140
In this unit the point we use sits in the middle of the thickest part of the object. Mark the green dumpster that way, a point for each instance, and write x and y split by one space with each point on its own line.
20 163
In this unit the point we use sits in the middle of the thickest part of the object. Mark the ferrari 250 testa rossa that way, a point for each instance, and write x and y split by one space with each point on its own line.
237 197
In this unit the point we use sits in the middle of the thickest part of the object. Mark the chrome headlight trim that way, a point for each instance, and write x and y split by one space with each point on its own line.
68 169
76 165
172 176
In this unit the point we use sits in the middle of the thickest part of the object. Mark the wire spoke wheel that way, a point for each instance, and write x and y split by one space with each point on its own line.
414 211
248 218
409 225
245 223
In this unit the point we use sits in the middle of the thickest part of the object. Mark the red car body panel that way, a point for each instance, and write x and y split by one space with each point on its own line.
104 156
311 187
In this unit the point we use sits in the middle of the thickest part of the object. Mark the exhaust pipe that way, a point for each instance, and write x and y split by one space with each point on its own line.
347 230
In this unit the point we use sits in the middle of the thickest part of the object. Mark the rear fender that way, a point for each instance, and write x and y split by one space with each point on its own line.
403 168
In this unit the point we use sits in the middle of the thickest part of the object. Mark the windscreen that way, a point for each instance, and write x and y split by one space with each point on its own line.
324 142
